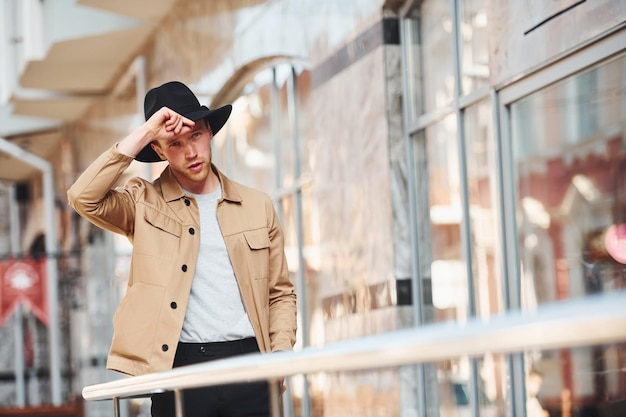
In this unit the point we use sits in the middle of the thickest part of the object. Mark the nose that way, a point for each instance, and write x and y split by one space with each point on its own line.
190 151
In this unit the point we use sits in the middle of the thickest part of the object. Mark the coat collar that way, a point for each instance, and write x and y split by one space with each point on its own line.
173 191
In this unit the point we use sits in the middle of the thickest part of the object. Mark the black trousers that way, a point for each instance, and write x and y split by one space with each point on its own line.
232 400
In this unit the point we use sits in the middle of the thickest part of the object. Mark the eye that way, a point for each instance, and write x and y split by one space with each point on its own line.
197 134
174 144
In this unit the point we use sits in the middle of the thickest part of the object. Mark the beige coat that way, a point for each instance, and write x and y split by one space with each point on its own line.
162 223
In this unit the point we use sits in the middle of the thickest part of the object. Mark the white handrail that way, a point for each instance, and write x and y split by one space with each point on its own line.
585 321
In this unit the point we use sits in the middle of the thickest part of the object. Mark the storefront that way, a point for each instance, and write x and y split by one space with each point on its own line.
516 117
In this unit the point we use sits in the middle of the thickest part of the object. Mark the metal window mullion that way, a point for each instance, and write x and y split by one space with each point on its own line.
292 97
293 117
459 113
509 224
416 278
276 134
428 119
465 222
510 252
19 368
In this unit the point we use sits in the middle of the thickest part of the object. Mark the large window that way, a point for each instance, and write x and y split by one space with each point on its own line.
456 198
569 152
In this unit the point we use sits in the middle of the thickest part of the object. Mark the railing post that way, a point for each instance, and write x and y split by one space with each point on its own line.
116 406
274 398
178 402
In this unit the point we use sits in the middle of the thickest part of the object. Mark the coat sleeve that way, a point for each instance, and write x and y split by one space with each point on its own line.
282 296
95 199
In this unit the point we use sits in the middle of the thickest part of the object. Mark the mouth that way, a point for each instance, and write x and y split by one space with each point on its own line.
195 167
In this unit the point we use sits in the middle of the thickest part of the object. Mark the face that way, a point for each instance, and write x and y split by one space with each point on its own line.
189 156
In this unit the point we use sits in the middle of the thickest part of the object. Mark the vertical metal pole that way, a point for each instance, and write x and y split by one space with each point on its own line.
139 68
20 386
18 317
510 247
302 302
178 403
465 197
116 407
14 57
416 277
53 298
276 133
34 397
274 398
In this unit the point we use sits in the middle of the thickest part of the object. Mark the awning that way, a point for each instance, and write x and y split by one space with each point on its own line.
14 170
61 87
81 69
84 68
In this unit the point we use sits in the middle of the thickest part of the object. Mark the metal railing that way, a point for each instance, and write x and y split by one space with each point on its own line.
597 319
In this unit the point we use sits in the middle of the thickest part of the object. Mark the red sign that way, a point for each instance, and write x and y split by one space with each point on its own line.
23 281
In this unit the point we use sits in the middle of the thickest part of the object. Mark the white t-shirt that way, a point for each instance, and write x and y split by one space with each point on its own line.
215 311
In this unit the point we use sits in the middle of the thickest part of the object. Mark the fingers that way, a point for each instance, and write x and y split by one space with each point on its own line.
170 121
176 122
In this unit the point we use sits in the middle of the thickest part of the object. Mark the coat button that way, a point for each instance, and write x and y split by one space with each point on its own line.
184 268
191 231
164 348
187 202
173 305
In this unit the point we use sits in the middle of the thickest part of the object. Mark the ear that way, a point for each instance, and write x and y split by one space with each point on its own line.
157 148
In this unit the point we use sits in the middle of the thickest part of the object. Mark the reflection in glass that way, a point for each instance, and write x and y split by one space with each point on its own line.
440 241
493 399
428 47
363 393
473 38
570 171
484 239
584 381
454 388
570 154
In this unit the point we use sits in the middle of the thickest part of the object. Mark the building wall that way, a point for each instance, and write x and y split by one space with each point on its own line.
526 35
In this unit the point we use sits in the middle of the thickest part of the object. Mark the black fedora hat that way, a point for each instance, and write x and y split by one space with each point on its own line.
178 97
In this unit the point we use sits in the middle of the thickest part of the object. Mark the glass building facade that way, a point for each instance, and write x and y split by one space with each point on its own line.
516 199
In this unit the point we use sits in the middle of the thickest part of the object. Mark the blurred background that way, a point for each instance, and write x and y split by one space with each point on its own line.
431 161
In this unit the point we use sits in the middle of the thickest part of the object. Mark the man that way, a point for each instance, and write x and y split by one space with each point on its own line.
208 277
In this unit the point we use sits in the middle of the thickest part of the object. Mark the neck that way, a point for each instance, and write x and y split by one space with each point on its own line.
206 186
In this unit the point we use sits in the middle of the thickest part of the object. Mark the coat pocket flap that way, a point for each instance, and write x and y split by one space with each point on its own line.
162 221
257 239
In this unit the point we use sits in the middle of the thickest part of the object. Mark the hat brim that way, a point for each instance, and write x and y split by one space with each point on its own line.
215 118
